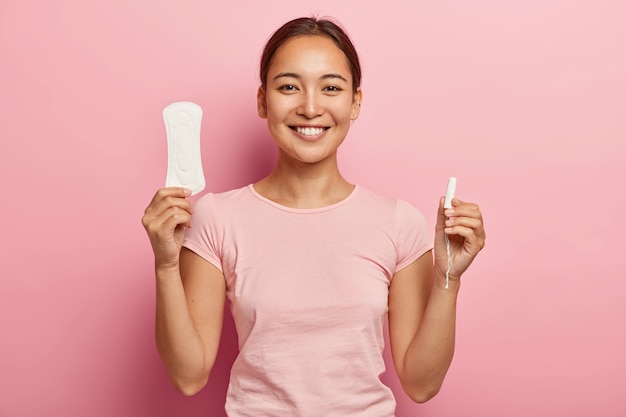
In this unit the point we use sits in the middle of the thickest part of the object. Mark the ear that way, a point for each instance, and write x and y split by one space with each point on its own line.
356 104
260 103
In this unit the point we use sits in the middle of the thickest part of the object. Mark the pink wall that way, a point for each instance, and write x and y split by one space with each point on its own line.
528 95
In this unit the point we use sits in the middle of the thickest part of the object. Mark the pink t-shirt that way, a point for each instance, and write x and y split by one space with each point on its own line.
308 290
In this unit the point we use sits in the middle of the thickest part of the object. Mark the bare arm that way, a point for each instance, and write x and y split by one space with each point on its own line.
190 295
422 312
422 321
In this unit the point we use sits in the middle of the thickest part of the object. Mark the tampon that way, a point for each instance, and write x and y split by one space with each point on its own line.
447 202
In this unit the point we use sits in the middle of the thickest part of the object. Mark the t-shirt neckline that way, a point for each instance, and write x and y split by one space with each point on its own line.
300 210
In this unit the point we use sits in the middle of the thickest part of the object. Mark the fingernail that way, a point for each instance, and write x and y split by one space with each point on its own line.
186 191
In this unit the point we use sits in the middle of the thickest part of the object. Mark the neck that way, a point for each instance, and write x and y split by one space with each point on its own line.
300 185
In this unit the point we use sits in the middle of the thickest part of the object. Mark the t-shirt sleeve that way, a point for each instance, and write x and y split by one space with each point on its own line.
204 237
413 238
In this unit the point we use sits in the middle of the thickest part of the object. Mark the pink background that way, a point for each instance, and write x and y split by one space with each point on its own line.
525 102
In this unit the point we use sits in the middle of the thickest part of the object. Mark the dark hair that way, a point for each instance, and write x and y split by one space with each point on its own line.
309 26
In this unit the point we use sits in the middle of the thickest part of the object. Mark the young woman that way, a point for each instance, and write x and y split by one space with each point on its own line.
311 264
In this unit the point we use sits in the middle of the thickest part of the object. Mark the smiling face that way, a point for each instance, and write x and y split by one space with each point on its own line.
308 100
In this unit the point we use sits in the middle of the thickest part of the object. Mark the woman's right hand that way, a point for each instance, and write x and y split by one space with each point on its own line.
165 219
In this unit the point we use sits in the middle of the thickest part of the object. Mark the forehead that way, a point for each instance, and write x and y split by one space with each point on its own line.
310 54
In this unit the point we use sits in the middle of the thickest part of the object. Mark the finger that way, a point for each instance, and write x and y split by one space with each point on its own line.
472 241
166 202
463 209
475 224
166 198
163 226
175 217
163 193
169 202
441 215
472 223
154 218
469 217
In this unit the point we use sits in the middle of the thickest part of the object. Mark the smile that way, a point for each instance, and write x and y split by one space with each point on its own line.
309 131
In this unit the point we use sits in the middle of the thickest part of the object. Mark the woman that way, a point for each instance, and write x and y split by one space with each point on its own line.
312 265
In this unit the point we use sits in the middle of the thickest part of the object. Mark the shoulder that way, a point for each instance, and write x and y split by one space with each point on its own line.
395 206
213 208
404 220
224 198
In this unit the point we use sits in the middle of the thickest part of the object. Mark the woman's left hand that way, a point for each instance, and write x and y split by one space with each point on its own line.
463 223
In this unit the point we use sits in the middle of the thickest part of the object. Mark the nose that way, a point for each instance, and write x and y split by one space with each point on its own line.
311 106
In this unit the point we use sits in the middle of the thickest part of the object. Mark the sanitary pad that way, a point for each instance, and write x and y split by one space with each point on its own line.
184 160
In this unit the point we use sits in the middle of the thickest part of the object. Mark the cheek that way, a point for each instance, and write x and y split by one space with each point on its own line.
277 109
348 112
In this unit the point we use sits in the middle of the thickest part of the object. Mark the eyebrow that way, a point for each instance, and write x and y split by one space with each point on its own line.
298 77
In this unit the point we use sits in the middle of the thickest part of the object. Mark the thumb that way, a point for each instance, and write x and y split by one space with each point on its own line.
441 217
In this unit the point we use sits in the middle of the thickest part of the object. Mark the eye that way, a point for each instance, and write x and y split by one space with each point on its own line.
287 87
332 90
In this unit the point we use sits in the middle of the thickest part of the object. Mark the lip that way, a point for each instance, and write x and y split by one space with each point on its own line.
309 133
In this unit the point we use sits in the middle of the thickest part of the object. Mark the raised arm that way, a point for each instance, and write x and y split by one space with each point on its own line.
422 312
190 294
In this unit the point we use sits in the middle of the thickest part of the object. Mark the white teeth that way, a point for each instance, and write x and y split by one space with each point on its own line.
310 131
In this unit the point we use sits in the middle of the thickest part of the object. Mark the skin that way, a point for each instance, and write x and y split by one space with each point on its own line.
309 85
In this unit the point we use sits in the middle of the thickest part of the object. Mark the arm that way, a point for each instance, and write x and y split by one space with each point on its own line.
422 312
190 295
